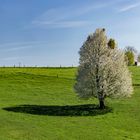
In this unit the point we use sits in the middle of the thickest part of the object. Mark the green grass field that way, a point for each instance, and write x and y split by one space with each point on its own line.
40 104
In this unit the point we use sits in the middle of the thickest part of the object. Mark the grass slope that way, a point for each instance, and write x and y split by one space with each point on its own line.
30 92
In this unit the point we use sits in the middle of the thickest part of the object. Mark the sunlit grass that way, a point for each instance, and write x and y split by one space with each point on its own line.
43 87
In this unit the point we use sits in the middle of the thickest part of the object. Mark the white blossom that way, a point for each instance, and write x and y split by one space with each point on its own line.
102 71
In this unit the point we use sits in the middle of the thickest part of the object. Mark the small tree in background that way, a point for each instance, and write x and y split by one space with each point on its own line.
138 57
130 53
102 71
111 43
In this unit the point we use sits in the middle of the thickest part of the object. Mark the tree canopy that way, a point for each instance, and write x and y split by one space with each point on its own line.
111 43
130 55
102 71
138 57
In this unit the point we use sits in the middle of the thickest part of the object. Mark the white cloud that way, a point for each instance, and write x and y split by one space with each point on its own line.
9 58
16 46
129 7
61 24
63 17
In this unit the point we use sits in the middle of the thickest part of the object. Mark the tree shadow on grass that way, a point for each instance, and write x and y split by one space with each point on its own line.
69 110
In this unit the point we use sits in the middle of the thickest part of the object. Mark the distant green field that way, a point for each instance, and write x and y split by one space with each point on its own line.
40 104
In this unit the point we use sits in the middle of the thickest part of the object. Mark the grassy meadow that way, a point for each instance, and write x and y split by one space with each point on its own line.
40 104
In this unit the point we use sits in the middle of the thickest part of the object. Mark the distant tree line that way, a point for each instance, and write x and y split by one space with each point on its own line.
132 57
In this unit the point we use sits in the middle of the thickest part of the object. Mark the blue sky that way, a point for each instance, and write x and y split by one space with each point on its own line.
51 32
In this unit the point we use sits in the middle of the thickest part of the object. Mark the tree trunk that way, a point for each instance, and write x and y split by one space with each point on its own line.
102 105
